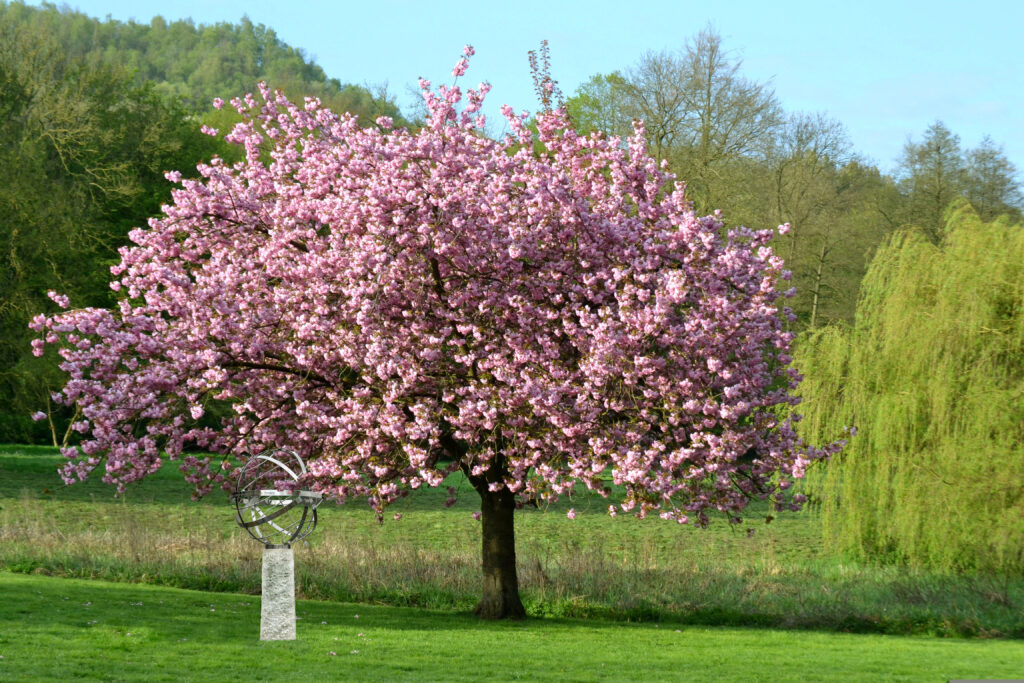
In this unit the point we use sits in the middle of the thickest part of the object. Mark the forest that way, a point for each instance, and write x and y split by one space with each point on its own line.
92 113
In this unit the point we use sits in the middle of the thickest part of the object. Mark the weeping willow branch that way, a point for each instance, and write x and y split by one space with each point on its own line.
933 369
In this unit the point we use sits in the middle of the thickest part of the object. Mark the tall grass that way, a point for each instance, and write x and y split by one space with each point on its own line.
932 374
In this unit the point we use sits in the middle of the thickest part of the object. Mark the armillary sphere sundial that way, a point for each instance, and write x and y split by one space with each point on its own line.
268 502
273 509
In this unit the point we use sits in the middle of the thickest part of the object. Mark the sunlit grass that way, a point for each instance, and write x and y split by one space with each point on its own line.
64 629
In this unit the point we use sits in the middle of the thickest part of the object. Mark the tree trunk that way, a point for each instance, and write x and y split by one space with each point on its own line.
500 598
817 280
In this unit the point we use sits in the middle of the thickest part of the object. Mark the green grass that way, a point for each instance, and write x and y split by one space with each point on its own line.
592 567
66 629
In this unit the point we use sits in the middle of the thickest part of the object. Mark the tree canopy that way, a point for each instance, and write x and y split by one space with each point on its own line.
83 149
727 137
92 113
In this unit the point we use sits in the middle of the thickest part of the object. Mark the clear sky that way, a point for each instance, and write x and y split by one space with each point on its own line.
885 69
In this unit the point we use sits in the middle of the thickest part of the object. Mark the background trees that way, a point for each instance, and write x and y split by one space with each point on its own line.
992 184
82 152
700 113
192 64
728 139
931 174
935 171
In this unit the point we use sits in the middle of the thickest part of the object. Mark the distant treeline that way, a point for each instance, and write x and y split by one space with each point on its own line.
194 64
730 140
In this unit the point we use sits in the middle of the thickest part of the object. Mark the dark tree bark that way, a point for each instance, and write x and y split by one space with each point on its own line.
500 599
500 595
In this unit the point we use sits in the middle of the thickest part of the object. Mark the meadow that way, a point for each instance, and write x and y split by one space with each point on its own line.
70 629
593 567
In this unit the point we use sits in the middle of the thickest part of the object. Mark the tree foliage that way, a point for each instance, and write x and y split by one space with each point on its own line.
935 171
699 111
728 139
993 187
400 306
811 178
931 375
931 176
82 155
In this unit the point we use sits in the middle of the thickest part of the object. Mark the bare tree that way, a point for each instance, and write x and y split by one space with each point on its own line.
701 114
655 91
730 116
805 190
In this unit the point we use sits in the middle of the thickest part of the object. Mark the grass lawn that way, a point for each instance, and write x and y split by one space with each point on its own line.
592 567
68 629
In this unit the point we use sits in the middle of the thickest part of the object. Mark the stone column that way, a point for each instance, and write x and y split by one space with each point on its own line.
277 620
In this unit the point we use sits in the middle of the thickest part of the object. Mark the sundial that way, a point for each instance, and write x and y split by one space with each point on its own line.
271 505
268 501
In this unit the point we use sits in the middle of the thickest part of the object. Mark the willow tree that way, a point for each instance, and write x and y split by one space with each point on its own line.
931 374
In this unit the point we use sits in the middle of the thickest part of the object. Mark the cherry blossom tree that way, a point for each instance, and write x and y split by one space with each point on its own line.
402 306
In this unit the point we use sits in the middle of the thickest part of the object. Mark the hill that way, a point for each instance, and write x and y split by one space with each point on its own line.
196 63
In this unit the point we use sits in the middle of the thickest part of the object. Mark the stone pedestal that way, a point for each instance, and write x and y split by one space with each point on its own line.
277 620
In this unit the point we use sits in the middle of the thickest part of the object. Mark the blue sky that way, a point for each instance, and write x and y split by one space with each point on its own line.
886 70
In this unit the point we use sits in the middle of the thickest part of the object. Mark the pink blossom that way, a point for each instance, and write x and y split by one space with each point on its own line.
460 67
59 299
38 415
571 514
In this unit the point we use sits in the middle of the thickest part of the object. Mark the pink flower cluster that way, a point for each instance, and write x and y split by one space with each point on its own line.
399 305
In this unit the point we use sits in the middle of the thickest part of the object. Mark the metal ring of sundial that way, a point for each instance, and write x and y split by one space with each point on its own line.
268 503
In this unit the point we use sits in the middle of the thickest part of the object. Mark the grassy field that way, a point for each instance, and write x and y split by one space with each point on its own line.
592 567
64 629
